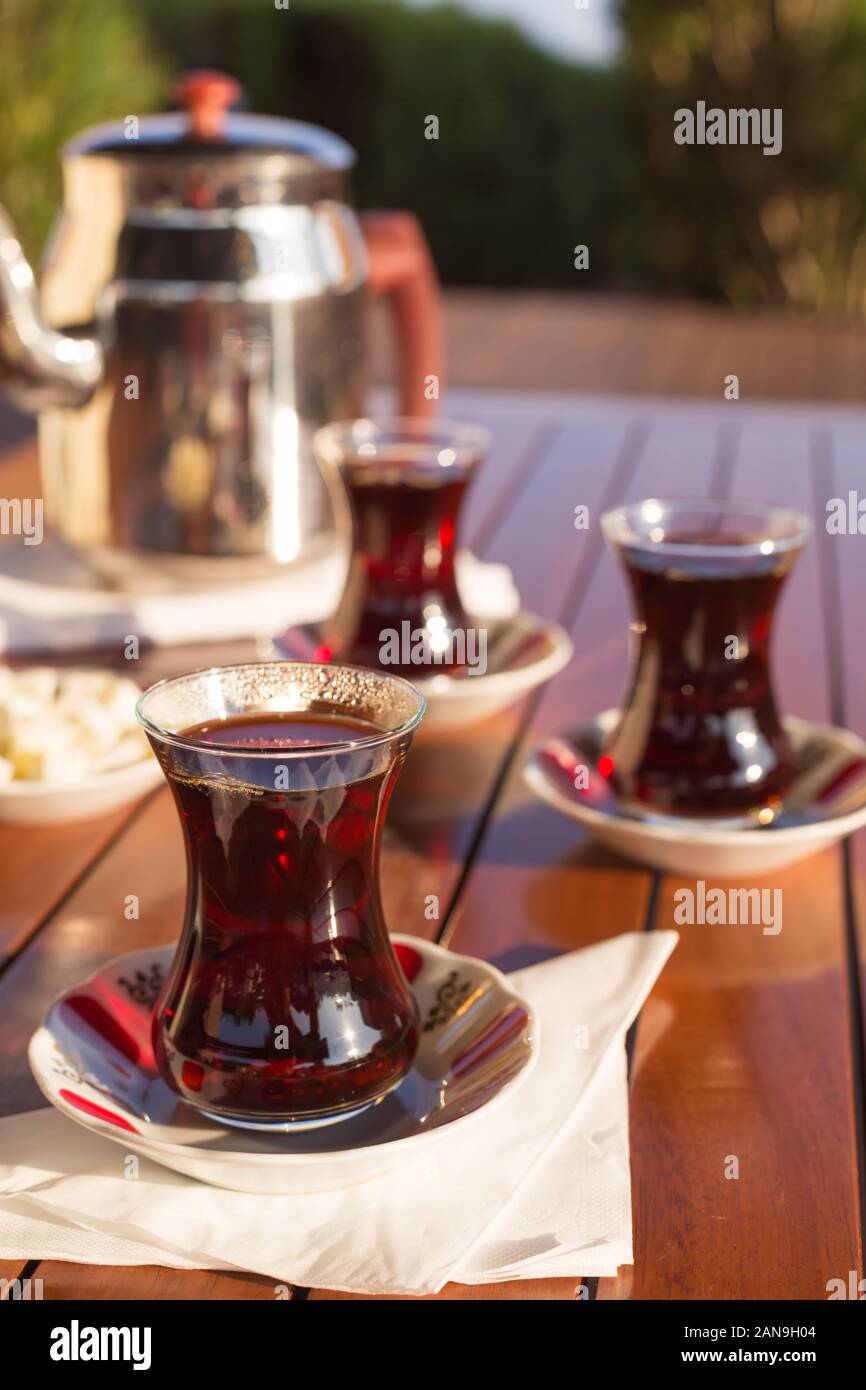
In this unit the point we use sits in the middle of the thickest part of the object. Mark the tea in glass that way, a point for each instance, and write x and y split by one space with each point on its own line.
285 1001
700 732
399 486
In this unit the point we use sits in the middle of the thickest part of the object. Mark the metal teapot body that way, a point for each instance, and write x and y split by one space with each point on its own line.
201 315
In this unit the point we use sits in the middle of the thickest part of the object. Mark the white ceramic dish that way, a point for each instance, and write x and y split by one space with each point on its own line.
92 1059
59 803
826 802
523 652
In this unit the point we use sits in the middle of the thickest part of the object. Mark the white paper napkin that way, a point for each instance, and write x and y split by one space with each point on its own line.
540 1188
51 601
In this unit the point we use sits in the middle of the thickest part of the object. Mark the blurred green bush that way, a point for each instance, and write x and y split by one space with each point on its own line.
531 158
728 220
535 155
63 67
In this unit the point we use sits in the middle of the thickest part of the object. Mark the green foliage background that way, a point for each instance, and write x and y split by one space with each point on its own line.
535 154
728 220
532 156
64 66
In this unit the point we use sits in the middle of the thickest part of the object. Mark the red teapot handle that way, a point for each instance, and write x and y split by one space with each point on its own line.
401 267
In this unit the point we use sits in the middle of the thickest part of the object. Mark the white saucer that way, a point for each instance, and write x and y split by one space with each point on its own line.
93 1060
523 652
827 801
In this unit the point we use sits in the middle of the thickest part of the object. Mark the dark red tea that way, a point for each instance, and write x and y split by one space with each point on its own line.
260 732
700 733
288 999
401 577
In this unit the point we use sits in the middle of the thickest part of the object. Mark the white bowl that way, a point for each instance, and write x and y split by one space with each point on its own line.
59 803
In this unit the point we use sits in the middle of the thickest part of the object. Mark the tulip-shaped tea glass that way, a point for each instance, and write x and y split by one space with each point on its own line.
285 1002
398 487
700 733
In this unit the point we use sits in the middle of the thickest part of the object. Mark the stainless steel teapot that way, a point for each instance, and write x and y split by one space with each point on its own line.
201 315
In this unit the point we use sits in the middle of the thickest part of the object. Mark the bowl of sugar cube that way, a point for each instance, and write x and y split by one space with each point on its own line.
70 745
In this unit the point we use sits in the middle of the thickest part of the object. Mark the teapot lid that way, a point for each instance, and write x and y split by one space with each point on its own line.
237 146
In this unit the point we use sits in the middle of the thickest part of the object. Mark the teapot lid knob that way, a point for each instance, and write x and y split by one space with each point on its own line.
206 96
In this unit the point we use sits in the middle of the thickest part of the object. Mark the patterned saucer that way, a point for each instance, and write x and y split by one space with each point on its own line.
523 652
826 802
92 1059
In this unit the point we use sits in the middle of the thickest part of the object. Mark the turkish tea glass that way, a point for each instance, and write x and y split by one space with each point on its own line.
399 486
285 1002
700 733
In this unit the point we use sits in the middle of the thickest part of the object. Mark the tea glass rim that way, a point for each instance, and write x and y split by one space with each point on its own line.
199 745
389 439
617 525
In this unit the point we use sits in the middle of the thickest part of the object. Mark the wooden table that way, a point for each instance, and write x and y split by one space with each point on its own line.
580 341
750 1045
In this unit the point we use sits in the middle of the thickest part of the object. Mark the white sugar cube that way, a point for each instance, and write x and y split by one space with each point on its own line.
84 685
37 682
37 758
7 771
121 700
131 748
90 720
21 705
14 706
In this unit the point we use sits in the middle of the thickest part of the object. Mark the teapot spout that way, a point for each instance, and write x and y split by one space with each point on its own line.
38 365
